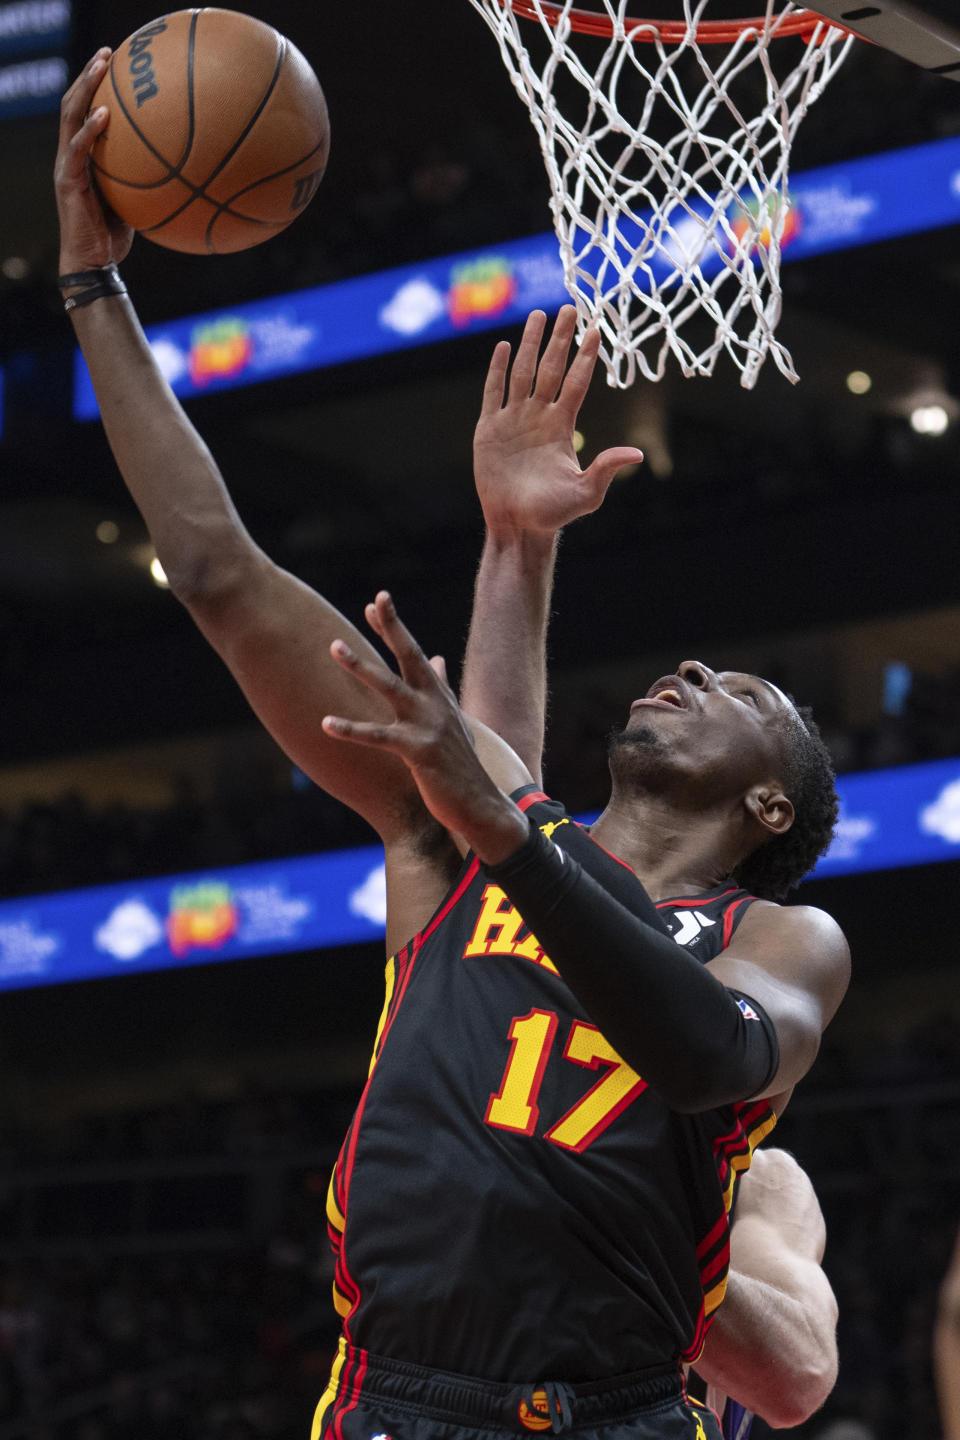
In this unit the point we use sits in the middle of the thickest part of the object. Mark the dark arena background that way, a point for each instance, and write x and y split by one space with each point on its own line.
167 1133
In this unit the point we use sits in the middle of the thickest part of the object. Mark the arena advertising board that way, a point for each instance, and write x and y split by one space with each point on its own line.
34 43
889 818
859 202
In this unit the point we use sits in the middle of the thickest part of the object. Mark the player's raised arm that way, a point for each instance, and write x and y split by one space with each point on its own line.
772 1346
273 631
530 486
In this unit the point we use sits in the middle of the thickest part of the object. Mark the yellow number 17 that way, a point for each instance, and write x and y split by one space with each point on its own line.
514 1106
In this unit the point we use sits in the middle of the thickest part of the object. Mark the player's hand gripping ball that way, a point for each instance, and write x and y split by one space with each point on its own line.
218 133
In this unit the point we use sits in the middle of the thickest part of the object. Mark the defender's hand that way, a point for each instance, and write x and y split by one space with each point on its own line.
430 735
91 235
527 473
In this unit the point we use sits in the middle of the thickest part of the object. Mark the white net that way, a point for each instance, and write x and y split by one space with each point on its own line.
668 167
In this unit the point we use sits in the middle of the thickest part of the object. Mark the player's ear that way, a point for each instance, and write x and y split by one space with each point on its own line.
771 809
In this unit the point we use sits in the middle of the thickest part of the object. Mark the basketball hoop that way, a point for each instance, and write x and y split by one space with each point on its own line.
668 163
673 32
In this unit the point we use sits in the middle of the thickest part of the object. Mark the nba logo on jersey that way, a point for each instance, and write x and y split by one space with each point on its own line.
747 1011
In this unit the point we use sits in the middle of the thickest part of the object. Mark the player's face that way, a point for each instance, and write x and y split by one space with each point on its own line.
726 728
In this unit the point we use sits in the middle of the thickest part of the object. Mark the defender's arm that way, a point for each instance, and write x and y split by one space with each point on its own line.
530 486
772 1345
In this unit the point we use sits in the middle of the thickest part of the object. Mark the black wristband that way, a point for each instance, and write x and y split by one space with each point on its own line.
90 277
96 285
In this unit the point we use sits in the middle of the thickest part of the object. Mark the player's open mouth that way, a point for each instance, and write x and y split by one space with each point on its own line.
669 692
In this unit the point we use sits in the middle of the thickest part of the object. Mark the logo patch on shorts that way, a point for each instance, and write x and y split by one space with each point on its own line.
537 1418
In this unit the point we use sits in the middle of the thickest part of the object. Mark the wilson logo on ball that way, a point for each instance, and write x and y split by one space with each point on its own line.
142 78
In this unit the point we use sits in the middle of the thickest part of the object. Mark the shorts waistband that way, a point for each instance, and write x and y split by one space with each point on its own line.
538 1405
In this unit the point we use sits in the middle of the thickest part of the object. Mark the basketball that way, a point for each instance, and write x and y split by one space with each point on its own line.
218 132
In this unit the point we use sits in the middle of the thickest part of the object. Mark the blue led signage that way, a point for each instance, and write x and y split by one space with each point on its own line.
889 818
34 39
32 27
854 203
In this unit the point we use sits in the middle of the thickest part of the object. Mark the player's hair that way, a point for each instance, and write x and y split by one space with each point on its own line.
777 867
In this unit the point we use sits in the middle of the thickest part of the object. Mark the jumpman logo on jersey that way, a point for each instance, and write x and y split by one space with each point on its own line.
691 923
701 1433
552 825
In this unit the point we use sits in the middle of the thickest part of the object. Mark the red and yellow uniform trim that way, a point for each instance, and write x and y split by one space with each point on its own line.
733 1152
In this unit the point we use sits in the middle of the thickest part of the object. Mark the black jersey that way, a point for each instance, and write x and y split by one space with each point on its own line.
512 1200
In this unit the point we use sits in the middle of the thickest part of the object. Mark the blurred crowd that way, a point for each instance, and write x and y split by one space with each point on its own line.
220 1326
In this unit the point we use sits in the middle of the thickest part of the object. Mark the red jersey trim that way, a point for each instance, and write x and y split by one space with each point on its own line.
699 901
353 1399
350 1286
728 919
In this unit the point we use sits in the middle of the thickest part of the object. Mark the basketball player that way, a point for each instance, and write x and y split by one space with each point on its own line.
773 1344
520 1246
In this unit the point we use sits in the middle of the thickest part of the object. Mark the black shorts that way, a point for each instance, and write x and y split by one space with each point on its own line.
370 1398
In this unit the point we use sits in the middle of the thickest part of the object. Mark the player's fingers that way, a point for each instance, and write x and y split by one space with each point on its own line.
360 732
439 667
405 741
76 100
383 619
599 475
495 383
375 677
525 363
79 146
554 360
576 383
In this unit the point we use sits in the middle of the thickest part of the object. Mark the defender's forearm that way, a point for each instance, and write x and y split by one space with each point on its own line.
772 1344
168 469
505 668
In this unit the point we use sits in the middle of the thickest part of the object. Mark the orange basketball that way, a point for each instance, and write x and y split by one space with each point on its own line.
218 132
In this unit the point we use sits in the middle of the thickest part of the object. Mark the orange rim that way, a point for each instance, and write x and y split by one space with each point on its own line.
671 32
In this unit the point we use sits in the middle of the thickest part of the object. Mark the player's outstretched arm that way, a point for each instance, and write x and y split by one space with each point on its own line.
772 1345
530 486
272 631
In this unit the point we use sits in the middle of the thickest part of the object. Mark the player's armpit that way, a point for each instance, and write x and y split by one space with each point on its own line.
794 962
